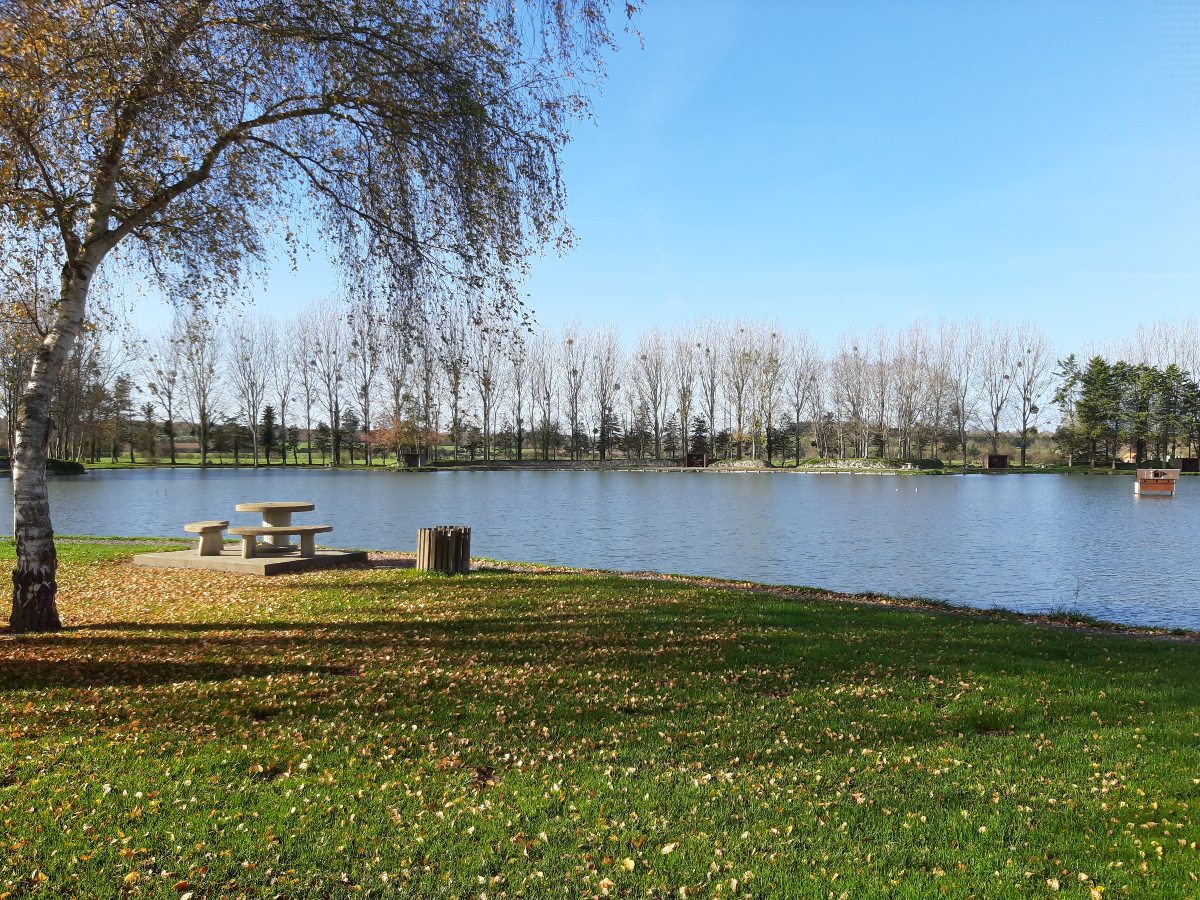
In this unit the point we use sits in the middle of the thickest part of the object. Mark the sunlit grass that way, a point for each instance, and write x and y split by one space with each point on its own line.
372 731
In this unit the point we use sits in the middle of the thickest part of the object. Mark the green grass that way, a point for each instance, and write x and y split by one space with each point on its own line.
566 735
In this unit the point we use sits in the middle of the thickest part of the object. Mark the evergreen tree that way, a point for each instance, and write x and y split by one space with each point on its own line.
1099 397
267 431
671 436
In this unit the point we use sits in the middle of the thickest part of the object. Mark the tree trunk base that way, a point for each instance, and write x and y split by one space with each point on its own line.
34 608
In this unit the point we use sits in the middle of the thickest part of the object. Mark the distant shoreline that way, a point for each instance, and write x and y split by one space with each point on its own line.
660 467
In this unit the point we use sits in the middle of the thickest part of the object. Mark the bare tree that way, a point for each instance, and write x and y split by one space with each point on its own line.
939 394
686 356
248 368
397 360
1032 377
767 380
430 365
364 356
164 372
486 365
963 346
605 347
996 377
738 365
709 371
803 364
328 345
544 382
882 375
653 382
281 372
911 384
849 374
200 355
574 357
300 348
454 364
519 382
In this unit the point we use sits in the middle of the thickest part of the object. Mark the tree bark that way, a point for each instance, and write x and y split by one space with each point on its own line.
35 589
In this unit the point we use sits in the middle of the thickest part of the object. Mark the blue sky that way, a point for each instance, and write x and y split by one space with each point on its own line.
847 164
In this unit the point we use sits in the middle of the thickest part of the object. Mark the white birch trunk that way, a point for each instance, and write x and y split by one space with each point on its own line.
35 588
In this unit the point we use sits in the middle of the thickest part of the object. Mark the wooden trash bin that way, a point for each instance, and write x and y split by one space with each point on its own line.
1155 482
445 549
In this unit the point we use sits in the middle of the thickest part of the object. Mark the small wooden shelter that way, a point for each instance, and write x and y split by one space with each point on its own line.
995 461
1155 482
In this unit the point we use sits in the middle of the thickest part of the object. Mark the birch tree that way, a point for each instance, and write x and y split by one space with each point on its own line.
178 137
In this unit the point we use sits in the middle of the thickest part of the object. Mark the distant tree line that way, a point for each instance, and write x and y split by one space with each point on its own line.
349 383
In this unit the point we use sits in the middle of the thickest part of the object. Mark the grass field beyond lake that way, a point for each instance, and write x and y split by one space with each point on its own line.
374 732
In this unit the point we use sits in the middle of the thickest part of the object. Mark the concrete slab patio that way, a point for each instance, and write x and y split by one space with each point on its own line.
231 560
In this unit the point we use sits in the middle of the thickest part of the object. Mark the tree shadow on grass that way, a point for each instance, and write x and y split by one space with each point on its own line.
21 675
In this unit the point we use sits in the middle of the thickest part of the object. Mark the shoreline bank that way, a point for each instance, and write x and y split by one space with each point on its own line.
1074 620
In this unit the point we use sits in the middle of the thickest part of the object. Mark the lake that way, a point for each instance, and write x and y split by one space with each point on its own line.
1029 542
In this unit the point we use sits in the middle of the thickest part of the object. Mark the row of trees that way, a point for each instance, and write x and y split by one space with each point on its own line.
342 380
1108 406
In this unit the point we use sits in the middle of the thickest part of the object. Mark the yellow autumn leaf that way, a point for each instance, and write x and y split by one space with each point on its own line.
668 848
628 865
131 878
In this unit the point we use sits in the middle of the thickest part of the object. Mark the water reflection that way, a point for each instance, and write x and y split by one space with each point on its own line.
1028 542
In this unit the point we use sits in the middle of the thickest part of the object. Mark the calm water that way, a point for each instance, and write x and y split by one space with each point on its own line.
1028 542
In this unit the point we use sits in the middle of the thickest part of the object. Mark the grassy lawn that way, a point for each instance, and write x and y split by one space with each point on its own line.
372 732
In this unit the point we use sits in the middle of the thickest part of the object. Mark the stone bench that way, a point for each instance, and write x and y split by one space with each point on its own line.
211 541
250 534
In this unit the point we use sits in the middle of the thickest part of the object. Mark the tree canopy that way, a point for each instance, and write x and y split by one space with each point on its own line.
421 136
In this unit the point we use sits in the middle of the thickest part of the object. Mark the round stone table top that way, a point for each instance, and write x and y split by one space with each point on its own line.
274 506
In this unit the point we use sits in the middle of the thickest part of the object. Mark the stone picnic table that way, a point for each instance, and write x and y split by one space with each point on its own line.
269 558
276 514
